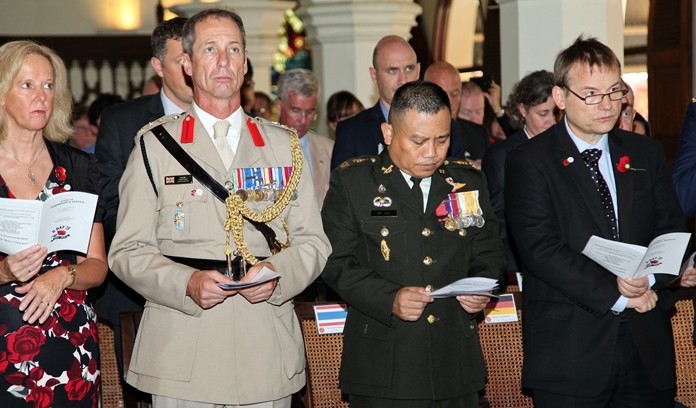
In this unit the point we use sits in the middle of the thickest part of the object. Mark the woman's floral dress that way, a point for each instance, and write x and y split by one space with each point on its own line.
54 364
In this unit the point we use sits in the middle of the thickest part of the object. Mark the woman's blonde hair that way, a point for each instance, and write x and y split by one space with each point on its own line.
12 57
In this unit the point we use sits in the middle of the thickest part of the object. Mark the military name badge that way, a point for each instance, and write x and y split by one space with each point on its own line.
461 210
183 179
261 183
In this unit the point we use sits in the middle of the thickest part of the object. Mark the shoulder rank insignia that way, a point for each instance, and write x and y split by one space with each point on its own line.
461 163
163 119
356 161
255 133
187 129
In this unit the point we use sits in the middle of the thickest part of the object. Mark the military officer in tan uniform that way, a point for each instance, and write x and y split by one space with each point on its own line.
402 224
200 345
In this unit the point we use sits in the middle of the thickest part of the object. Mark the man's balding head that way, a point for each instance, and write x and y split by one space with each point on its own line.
394 63
446 76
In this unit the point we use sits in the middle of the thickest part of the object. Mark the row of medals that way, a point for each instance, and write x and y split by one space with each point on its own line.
452 223
266 192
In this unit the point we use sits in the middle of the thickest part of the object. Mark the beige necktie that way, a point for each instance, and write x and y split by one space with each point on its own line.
223 146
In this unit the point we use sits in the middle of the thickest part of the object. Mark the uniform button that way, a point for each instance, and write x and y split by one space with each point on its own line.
426 232
462 232
384 231
427 261
429 288
472 325
432 319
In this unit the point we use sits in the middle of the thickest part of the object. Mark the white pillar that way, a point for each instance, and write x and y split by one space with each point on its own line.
262 19
343 34
533 32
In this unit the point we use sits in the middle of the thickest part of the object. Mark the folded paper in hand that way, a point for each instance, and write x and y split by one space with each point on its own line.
663 255
468 286
263 276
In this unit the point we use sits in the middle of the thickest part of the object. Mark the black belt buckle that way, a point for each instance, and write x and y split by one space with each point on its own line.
238 268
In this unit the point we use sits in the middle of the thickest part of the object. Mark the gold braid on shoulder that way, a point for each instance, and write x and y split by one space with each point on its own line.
237 210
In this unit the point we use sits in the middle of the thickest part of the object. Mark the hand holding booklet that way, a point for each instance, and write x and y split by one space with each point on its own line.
264 275
62 222
468 286
663 255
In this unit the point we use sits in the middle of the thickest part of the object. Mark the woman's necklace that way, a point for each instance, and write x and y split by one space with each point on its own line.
30 173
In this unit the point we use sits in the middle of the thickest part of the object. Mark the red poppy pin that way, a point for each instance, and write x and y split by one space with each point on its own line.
624 165
61 174
566 162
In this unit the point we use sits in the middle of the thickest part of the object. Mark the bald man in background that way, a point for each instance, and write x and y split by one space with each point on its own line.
473 135
394 63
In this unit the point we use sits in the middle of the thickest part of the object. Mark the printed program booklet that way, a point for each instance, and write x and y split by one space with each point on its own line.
62 222
663 255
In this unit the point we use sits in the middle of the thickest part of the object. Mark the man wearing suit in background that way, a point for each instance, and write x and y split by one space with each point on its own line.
392 222
684 171
298 92
117 129
473 135
394 63
200 345
591 339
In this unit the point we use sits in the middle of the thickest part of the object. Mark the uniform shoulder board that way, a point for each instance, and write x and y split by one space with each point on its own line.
357 161
266 122
460 163
163 119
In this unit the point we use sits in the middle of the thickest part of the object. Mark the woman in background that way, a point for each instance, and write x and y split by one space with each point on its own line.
532 110
48 331
341 106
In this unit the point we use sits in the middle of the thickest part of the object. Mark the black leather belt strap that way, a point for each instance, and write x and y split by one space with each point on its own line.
239 266
208 182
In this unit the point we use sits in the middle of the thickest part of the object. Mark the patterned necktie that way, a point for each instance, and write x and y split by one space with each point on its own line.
591 157
417 192
223 146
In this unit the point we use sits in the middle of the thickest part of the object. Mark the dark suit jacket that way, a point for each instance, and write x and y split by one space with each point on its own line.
475 137
684 171
362 134
493 166
384 356
553 208
118 127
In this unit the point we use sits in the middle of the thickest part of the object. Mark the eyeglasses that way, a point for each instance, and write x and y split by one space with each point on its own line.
596 99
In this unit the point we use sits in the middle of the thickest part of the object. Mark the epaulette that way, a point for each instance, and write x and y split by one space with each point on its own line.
163 119
357 161
459 163
266 122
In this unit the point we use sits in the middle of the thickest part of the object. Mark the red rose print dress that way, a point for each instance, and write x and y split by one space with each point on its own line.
54 364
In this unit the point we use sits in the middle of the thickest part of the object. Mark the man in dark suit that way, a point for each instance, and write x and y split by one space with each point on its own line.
117 130
394 63
591 339
393 225
530 107
684 171
474 136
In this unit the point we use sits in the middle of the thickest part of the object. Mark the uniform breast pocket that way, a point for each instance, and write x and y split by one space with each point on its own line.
182 210
385 244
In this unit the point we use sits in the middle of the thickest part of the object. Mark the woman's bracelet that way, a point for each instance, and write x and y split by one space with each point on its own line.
73 275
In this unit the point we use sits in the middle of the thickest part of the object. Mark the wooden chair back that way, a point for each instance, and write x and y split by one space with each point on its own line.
502 350
111 389
323 352
682 329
